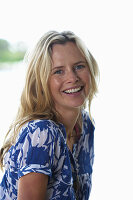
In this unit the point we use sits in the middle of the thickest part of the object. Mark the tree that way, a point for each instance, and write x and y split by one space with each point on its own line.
10 53
4 45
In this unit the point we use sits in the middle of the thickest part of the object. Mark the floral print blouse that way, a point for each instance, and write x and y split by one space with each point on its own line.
41 147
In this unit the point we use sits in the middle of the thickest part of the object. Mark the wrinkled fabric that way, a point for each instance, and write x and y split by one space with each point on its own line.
41 147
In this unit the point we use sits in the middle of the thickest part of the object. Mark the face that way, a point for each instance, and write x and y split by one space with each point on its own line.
70 80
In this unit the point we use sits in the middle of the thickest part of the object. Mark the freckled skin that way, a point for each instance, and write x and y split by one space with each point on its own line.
69 70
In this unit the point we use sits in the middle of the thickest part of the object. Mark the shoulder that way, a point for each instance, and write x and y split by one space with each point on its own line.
37 141
41 124
35 148
87 122
38 129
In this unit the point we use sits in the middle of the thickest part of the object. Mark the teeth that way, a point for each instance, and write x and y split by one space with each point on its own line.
72 90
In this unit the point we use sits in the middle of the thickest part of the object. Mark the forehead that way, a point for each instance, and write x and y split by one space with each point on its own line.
66 52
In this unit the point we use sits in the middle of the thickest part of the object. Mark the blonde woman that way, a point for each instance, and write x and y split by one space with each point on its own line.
48 152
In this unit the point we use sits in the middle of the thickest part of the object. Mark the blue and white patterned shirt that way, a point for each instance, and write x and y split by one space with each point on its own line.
41 147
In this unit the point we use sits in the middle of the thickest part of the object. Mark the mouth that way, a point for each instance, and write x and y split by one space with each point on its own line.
74 90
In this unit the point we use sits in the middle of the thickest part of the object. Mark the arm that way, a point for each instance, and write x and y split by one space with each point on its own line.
32 186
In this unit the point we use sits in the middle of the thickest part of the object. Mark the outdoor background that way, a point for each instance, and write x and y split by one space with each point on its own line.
106 26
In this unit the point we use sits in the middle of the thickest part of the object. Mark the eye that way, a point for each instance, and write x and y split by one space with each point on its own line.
59 71
78 67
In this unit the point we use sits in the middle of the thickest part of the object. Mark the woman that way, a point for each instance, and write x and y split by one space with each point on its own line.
48 152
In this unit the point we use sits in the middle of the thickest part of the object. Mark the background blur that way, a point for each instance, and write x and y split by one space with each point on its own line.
106 26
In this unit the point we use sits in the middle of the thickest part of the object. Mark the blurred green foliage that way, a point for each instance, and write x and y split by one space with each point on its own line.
9 53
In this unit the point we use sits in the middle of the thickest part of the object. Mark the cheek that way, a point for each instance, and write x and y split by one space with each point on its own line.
87 79
54 84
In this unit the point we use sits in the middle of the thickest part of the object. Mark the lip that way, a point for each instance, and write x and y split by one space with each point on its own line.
74 94
73 88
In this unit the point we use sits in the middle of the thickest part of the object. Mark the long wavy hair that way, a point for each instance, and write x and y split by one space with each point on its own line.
36 101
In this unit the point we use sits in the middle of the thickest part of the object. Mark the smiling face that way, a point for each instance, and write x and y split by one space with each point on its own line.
70 80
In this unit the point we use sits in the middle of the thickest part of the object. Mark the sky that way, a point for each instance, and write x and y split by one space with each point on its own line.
106 26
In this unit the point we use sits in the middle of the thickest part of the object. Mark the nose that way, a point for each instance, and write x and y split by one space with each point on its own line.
72 77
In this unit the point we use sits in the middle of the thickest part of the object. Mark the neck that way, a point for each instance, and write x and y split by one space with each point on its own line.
69 120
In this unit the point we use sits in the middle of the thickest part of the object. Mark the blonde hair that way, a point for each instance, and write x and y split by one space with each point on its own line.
36 101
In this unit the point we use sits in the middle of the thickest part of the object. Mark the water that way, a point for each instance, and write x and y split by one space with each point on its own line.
11 84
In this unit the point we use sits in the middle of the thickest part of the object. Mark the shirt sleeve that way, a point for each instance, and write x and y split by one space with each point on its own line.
37 149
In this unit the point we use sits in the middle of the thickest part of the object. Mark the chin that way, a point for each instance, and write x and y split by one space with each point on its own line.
77 105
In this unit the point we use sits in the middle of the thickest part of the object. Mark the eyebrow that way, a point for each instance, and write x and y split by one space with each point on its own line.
77 63
80 62
58 67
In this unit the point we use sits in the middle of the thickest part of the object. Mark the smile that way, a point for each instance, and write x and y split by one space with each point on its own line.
74 90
